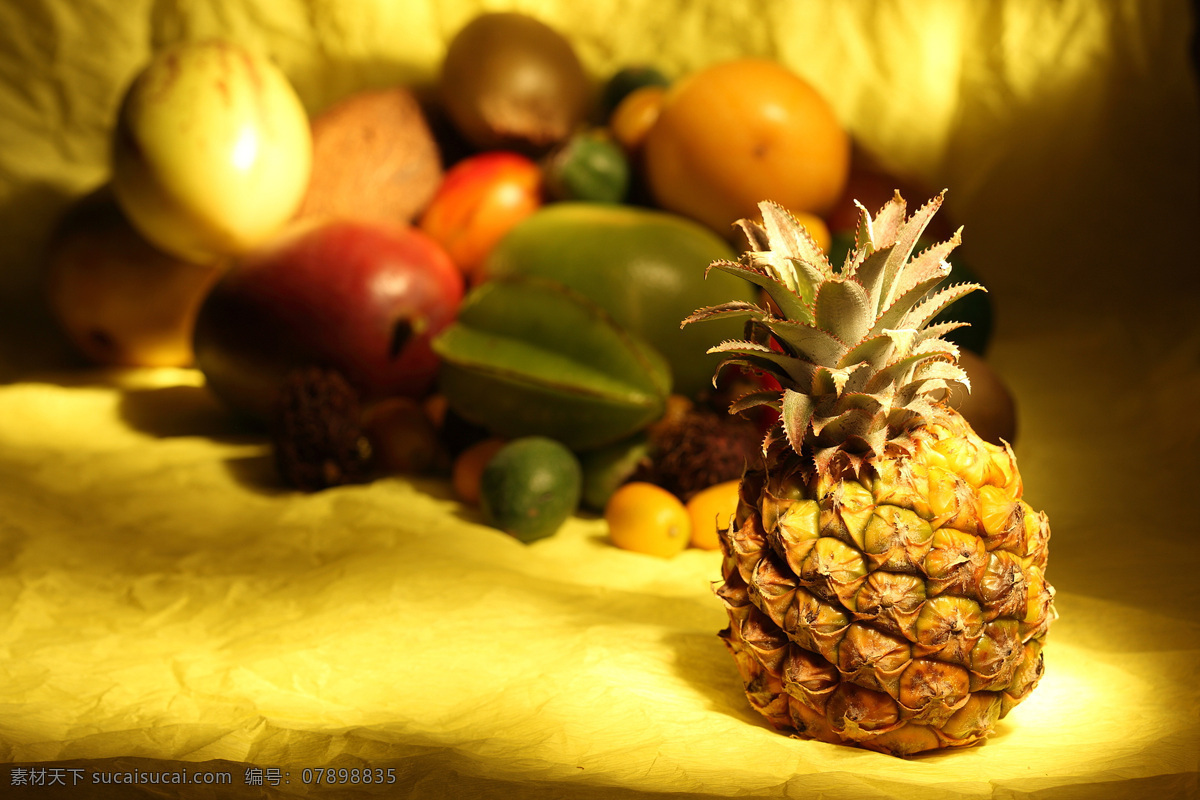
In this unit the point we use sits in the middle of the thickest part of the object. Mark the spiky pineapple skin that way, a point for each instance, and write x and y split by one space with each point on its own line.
901 607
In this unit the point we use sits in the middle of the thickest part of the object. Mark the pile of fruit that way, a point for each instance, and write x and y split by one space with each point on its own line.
499 284
485 281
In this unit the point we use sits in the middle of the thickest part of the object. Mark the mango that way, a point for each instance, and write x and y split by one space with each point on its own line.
644 267
530 357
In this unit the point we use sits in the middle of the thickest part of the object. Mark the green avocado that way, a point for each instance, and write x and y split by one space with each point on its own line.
530 487
644 267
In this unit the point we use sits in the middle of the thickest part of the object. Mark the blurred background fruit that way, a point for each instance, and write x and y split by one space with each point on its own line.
871 185
645 268
742 131
606 468
480 200
589 167
528 356
467 471
316 430
374 158
211 151
402 438
122 301
362 298
627 80
989 406
710 509
633 118
509 81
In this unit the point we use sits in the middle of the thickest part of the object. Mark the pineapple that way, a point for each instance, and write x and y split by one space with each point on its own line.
883 577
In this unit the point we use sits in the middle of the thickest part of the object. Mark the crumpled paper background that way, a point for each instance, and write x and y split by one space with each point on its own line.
165 605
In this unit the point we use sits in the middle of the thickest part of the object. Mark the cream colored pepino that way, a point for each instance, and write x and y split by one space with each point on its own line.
883 577
212 150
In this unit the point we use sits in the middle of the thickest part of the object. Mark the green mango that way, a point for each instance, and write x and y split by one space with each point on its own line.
644 267
528 356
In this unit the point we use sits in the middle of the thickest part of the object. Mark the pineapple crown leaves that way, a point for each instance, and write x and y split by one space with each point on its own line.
854 350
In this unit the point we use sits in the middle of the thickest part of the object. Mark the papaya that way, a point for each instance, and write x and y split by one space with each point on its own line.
646 268
530 357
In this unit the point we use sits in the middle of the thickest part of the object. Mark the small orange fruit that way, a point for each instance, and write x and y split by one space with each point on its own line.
743 131
816 228
468 469
818 231
710 509
635 115
647 519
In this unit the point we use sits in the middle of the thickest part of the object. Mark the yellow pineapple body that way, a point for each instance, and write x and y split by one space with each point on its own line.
901 613
883 576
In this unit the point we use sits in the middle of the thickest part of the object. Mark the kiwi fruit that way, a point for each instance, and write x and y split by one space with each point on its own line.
509 81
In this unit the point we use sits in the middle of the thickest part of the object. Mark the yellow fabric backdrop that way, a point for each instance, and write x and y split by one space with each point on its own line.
163 604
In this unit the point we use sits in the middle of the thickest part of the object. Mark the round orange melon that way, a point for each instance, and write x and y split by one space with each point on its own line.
743 131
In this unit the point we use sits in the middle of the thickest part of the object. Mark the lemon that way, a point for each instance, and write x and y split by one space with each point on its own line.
647 519
710 509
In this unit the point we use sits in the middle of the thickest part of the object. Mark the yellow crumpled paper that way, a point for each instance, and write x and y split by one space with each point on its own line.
165 605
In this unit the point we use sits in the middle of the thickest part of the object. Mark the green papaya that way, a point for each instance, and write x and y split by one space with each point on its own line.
646 268
530 357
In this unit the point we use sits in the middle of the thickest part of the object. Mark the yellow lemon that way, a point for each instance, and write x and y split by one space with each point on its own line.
710 509
816 227
647 519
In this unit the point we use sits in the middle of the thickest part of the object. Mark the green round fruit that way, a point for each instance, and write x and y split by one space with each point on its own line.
530 487
590 167
646 268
